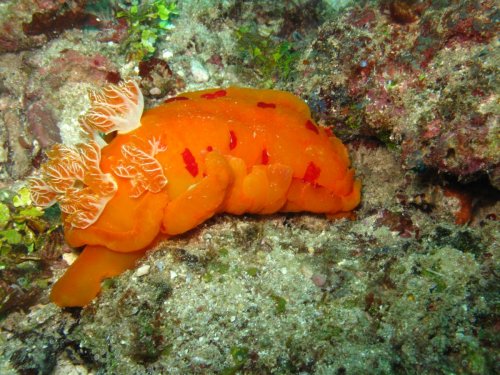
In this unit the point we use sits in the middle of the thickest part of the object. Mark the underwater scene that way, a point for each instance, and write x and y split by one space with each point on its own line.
249 187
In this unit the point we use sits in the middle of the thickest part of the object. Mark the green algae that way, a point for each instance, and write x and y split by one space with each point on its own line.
273 58
147 22
22 225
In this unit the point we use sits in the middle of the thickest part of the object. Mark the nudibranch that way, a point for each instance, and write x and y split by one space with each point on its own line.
235 150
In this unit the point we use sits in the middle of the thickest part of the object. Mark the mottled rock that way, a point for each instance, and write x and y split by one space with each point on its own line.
18 164
43 124
199 72
421 80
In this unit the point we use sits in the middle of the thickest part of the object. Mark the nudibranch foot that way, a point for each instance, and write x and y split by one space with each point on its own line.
82 281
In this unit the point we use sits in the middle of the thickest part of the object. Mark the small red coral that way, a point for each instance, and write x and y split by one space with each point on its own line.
464 212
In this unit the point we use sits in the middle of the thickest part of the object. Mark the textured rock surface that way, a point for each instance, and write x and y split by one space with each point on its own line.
406 287
425 83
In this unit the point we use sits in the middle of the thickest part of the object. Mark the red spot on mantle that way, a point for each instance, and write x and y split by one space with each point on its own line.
266 105
176 99
265 157
311 126
312 173
233 141
214 95
190 162
210 148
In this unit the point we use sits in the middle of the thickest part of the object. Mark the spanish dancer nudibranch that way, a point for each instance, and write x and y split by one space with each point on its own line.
234 150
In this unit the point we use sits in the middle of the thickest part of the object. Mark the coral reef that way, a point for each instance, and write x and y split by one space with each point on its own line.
408 286
395 290
418 75
294 300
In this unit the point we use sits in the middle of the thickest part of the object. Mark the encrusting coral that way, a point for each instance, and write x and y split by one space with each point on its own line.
232 150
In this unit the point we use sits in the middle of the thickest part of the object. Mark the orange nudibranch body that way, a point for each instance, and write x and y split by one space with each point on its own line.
234 150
